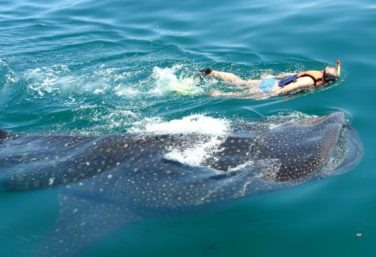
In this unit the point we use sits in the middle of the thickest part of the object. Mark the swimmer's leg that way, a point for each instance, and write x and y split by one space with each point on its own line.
227 77
217 93
252 85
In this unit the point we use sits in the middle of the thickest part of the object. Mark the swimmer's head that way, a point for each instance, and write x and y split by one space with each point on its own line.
330 73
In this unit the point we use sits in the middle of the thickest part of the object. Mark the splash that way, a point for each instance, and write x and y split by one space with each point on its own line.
47 80
194 152
119 118
167 80
7 75
196 123
59 79
197 154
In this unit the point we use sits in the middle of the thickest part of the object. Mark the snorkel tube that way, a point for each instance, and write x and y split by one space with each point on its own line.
338 67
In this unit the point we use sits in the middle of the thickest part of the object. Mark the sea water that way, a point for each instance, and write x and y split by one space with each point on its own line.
100 67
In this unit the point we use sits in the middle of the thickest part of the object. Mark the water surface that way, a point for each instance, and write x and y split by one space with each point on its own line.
114 66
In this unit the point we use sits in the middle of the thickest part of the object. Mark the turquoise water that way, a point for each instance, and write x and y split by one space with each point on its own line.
115 66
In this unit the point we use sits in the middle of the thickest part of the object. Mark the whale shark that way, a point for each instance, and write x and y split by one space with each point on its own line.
106 182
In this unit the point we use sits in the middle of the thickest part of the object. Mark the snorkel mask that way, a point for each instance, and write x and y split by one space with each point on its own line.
328 77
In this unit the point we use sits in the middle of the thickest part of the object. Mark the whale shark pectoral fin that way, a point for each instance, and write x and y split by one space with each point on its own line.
243 180
81 222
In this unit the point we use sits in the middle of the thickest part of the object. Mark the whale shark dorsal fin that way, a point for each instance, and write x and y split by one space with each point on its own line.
81 222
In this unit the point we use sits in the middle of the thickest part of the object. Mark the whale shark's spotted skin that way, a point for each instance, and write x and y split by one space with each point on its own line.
113 180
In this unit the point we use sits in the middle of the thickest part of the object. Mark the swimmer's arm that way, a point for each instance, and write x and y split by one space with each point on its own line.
300 84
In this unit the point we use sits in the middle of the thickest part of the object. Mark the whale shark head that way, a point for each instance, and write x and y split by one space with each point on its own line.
298 151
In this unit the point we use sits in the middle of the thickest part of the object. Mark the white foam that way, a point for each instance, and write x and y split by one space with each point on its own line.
166 81
197 154
124 91
10 76
196 123
119 118
59 78
241 166
113 74
213 130
49 79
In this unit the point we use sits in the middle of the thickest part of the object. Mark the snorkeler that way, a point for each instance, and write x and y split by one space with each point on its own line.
282 84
